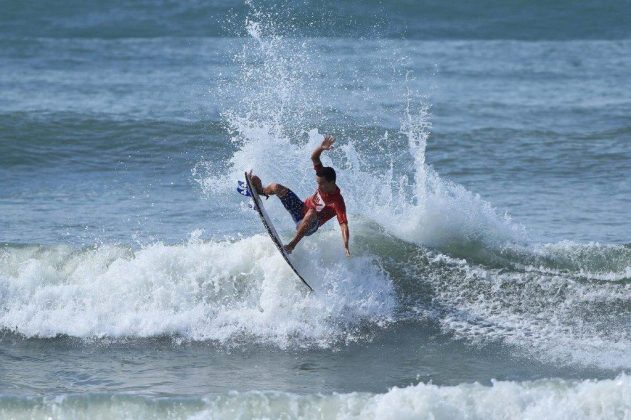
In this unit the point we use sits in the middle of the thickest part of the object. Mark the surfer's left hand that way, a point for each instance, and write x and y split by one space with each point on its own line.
347 252
288 248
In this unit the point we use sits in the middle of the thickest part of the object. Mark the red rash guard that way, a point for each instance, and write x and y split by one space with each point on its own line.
327 205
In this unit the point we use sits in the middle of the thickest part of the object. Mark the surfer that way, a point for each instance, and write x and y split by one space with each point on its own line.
318 208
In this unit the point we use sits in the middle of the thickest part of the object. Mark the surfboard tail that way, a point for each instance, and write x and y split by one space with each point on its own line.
243 189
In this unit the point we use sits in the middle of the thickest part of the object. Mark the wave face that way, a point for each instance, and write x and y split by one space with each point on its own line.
427 19
551 399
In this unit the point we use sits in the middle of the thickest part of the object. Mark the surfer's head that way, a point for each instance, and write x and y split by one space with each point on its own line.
325 177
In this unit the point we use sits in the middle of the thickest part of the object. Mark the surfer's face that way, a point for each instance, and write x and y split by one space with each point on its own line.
324 185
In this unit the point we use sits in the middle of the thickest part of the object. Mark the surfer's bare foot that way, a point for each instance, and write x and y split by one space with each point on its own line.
258 185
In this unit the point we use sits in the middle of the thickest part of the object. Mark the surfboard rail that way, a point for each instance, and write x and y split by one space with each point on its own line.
271 230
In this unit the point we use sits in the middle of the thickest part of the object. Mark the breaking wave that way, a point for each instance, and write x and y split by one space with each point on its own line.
550 399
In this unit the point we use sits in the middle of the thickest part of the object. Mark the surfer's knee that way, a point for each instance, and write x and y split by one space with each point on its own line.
310 215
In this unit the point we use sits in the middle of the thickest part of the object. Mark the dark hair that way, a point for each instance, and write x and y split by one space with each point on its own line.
327 172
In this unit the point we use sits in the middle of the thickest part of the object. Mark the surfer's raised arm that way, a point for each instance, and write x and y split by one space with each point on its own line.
327 144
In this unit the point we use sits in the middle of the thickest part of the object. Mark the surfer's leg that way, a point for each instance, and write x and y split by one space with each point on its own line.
292 204
276 189
301 216
303 229
271 189
305 224
312 225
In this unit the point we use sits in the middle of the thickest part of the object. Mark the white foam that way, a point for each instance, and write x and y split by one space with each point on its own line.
222 290
544 399
269 125
551 317
549 399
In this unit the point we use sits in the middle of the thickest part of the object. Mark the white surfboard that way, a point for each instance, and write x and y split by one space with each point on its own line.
267 222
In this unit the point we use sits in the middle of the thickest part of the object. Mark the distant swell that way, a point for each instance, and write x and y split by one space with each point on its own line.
88 141
429 19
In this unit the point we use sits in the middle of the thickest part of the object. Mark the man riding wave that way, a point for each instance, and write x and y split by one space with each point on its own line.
318 208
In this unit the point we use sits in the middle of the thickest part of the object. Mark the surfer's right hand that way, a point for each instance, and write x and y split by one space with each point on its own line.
327 143
288 248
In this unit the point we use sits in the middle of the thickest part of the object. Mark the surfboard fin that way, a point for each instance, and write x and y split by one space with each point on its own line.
243 189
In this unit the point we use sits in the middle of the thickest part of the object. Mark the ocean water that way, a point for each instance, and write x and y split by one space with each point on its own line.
484 153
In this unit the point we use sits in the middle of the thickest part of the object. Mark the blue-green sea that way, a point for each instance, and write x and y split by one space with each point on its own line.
484 153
